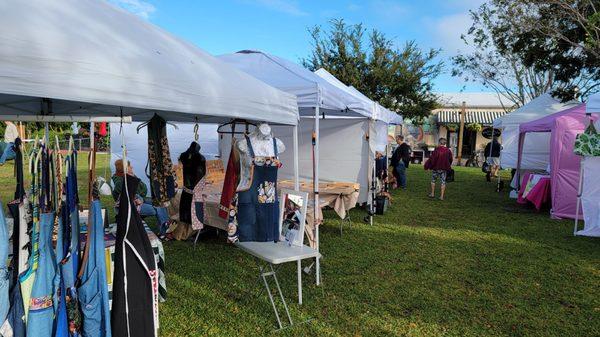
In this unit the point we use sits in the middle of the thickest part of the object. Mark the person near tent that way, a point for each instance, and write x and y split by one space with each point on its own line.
492 158
11 133
143 204
400 161
439 163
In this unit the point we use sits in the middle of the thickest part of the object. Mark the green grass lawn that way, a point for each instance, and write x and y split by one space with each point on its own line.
472 265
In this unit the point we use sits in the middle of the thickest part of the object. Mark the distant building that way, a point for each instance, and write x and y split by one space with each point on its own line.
481 110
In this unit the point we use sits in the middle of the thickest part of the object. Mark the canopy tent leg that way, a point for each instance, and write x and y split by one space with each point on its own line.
296 170
579 191
316 194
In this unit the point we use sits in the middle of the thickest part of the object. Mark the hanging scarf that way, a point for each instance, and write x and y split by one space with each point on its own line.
230 183
160 167
588 142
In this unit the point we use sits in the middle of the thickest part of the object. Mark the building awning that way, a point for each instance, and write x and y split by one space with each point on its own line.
485 118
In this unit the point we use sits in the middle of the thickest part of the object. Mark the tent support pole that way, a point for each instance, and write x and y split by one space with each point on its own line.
46 134
316 190
579 191
296 170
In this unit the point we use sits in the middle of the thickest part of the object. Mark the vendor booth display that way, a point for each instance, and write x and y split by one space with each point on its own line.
316 98
563 128
50 72
588 147
536 149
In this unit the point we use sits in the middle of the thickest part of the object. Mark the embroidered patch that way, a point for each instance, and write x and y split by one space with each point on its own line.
266 192
40 303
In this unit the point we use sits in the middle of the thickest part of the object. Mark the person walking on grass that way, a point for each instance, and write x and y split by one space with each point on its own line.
400 161
439 163
492 158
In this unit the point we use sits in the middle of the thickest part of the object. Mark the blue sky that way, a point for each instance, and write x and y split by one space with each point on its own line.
280 26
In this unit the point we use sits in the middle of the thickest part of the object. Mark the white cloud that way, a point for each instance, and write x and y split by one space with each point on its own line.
140 8
389 10
284 6
447 32
354 7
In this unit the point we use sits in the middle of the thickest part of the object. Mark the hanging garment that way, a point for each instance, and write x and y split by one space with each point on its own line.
93 292
258 205
194 169
41 306
4 274
27 278
14 325
61 322
588 142
135 282
230 182
160 172
198 205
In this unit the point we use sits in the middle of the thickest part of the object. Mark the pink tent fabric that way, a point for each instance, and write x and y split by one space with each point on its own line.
564 164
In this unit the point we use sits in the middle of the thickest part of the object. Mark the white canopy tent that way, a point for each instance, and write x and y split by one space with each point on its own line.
589 184
536 150
85 58
317 98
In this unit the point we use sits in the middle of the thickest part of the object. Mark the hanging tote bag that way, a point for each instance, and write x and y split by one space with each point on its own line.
588 142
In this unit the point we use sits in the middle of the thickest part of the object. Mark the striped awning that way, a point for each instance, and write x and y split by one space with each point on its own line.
485 118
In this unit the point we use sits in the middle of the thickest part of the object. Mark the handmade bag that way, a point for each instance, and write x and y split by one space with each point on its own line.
588 142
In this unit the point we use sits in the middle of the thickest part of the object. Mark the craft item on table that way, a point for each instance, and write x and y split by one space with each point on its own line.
257 212
194 169
160 167
135 285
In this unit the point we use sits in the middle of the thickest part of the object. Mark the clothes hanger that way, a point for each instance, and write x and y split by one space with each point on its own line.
145 124
234 122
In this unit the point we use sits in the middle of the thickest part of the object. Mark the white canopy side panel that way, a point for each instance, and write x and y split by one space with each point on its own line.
593 103
536 150
379 136
590 197
179 141
344 151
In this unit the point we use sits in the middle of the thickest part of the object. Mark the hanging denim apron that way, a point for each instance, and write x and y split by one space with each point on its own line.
70 263
258 206
61 323
93 292
4 274
41 307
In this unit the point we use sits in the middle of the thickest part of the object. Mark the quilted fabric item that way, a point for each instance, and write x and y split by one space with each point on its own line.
588 143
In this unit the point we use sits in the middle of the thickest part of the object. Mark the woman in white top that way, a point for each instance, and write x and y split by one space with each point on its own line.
10 134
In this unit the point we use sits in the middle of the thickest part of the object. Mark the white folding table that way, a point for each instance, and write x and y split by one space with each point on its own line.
267 255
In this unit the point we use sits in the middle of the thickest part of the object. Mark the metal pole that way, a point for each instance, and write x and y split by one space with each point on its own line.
296 170
461 131
46 134
579 191
316 187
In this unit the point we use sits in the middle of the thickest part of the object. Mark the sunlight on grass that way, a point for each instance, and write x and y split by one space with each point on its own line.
466 266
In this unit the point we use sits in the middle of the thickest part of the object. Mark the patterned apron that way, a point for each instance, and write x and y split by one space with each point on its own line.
258 205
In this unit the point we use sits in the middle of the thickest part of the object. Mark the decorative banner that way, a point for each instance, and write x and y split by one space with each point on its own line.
487 132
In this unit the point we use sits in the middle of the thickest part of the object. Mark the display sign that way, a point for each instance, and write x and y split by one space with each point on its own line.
487 132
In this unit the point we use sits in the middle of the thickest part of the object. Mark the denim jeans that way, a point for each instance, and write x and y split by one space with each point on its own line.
161 214
8 153
401 174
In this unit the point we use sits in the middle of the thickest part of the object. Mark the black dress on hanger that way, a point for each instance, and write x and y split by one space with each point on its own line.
194 169
135 288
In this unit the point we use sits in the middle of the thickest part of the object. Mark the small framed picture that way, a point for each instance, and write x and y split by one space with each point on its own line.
292 216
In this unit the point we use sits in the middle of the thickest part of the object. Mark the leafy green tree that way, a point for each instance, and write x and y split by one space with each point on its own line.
398 78
523 48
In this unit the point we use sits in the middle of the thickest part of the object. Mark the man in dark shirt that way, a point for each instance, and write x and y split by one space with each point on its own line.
492 157
400 161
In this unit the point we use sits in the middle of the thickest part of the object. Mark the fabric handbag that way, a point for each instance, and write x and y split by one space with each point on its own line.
450 176
588 142
485 168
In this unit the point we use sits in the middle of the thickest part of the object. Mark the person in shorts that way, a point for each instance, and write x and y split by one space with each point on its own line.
439 163
492 158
